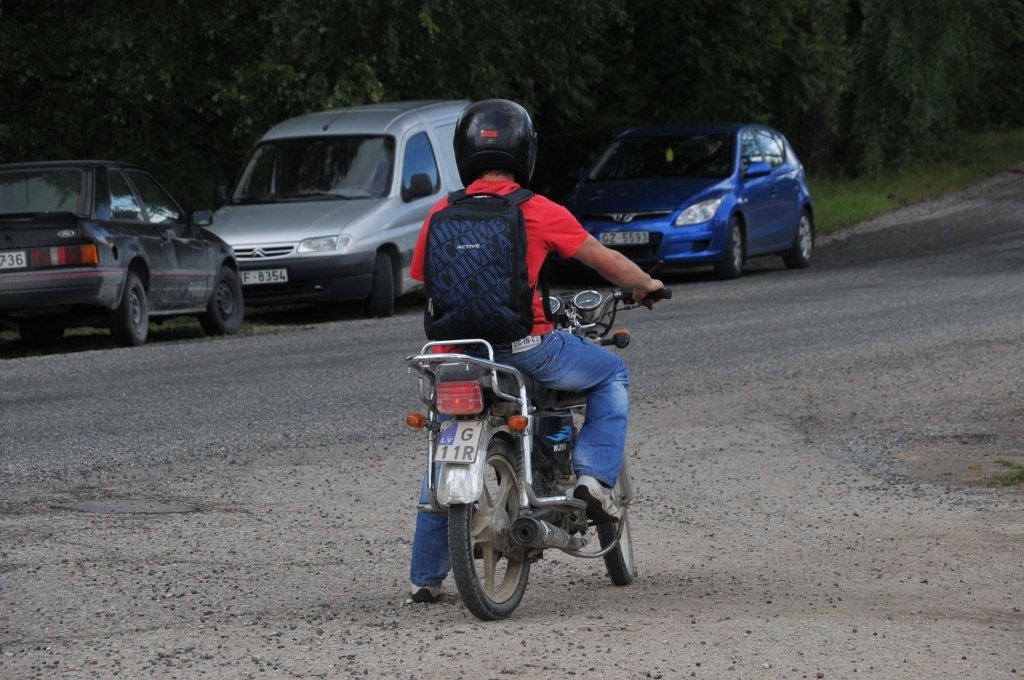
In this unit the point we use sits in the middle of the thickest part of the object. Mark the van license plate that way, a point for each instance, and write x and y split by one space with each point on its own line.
625 238
459 441
13 260
264 276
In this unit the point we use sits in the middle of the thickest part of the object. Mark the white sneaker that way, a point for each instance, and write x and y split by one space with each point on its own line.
601 505
425 594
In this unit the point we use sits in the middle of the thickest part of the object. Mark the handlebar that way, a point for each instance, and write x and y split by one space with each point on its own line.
662 294
620 339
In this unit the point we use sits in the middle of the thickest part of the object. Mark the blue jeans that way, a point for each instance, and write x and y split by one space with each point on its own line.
562 361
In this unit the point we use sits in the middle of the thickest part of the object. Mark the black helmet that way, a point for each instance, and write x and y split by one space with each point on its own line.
495 134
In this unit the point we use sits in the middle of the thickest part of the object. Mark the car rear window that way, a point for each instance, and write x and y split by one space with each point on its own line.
42 191
665 156
310 168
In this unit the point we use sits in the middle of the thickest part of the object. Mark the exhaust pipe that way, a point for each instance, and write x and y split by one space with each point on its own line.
536 533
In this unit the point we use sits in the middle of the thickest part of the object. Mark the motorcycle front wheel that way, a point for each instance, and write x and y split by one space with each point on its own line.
490 570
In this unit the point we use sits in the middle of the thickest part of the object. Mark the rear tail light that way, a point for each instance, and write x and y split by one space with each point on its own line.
460 398
65 255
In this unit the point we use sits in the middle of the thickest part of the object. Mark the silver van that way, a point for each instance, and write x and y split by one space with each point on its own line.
330 205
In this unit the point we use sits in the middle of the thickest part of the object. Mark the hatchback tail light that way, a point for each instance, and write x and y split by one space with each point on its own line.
65 255
460 398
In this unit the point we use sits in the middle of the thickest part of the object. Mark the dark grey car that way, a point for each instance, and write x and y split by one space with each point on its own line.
87 243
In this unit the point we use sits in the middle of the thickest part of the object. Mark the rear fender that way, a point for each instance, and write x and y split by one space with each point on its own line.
460 484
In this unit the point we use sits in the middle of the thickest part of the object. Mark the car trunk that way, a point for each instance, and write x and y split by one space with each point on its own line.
34 230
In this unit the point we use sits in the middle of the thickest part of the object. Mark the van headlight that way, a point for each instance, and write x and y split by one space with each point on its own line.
698 213
324 244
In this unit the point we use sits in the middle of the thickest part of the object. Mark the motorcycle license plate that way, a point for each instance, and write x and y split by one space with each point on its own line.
459 441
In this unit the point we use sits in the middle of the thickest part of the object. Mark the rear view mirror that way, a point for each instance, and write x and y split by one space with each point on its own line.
758 170
220 196
201 218
420 185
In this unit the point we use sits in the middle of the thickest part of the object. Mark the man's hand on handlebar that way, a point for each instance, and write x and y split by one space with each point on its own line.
642 294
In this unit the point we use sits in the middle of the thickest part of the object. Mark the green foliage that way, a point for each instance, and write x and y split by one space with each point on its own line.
845 202
1015 476
920 67
185 87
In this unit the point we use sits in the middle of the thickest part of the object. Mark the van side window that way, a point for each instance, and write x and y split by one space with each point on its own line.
445 135
419 160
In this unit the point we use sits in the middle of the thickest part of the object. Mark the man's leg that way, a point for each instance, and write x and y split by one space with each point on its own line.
430 559
568 362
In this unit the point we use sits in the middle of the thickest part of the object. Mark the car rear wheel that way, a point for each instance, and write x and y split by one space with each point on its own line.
381 302
732 266
799 256
223 316
129 323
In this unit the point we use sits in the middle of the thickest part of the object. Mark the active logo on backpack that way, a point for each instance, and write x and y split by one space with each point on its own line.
475 270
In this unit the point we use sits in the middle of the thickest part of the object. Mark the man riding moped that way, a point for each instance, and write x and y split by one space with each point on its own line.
495 150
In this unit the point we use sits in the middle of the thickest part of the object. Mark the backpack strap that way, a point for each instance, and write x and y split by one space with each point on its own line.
515 198
519 196
456 196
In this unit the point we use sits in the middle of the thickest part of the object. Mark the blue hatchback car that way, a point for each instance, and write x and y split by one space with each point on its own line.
699 194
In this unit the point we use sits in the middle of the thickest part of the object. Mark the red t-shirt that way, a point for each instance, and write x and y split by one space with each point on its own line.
550 228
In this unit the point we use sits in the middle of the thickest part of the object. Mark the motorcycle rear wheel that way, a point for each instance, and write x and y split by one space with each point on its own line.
490 570
619 561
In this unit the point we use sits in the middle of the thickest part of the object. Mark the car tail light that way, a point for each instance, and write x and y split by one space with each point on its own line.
65 255
460 398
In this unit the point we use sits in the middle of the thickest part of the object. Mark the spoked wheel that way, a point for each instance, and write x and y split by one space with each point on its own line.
619 560
490 570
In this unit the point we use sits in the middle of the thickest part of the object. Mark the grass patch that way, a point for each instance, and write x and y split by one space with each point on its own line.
974 156
1014 478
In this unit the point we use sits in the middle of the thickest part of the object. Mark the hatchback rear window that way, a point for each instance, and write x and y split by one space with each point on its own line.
311 168
665 156
42 191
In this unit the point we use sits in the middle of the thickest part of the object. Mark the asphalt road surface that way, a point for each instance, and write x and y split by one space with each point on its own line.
811 449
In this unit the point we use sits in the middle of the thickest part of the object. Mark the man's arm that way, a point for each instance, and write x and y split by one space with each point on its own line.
617 268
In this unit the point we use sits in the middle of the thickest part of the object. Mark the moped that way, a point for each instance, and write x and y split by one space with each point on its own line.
503 445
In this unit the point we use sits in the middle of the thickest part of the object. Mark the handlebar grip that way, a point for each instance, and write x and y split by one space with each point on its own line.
663 294
620 339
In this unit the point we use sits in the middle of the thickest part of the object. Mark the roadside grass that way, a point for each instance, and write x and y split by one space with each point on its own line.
842 202
1014 478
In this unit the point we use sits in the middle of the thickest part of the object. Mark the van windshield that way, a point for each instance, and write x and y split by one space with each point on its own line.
318 168
665 156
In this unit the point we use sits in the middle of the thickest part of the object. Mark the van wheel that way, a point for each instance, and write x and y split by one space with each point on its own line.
381 302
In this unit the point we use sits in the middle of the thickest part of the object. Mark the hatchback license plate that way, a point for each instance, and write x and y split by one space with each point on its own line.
625 238
459 441
264 276
13 260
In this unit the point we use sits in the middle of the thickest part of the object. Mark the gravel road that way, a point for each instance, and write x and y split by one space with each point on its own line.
811 451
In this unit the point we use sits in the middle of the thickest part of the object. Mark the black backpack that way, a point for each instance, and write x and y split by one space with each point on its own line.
474 269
